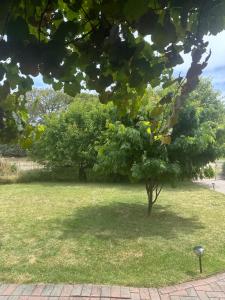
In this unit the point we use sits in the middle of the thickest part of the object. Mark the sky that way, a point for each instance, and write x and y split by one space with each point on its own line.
215 69
216 65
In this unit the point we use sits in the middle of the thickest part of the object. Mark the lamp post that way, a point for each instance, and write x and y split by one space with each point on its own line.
199 251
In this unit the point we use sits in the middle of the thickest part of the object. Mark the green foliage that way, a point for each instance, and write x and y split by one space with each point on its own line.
69 138
100 46
199 136
135 150
90 134
42 102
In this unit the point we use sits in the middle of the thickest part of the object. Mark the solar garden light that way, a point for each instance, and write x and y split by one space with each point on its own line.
199 251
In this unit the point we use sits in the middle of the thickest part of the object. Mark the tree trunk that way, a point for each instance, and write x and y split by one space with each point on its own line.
150 204
153 189
149 189
82 174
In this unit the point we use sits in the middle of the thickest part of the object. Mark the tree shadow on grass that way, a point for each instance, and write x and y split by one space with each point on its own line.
125 221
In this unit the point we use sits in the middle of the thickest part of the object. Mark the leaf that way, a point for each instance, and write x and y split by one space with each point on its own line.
57 86
72 89
48 79
149 130
133 9
146 24
166 99
157 111
17 30
166 139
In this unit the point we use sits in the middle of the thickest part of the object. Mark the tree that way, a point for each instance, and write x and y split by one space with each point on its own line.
128 151
134 150
42 102
199 136
102 45
69 138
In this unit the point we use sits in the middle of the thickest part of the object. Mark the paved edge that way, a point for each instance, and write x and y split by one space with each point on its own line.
208 288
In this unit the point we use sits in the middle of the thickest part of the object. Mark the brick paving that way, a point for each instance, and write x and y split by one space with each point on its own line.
204 289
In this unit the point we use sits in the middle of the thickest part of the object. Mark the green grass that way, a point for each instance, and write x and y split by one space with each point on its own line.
97 233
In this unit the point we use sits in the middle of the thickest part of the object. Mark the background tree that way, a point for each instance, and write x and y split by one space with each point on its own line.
199 136
42 102
69 138
102 45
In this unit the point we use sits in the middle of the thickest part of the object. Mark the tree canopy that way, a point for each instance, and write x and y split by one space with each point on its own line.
42 102
68 139
134 150
90 135
114 47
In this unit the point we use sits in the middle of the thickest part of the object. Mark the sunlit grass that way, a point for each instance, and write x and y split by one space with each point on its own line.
97 233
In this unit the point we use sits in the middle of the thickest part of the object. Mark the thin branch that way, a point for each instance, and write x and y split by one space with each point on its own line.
157 192
192 79
80 38
41 19
86 15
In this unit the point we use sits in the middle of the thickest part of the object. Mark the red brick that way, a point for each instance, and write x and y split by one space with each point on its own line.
215 294
57 290
9 290
96 291
37 298
191 292
105 291
144 293
202 295
154 294
216 287
115 292
24 297
86 290
167 290
165 297
134 290
179 293
66 291
205 287
77 289
135 296
125 292
64 298
38 290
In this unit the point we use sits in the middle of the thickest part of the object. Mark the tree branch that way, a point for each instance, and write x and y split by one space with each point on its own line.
86 15
41 19
157 192
192 79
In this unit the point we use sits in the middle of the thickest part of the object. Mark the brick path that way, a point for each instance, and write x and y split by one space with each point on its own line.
209 288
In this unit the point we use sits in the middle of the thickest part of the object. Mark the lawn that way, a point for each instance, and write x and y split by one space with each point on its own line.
99 233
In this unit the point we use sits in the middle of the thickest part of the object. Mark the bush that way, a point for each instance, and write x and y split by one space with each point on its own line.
65 175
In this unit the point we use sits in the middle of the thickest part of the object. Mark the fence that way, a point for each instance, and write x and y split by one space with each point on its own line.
22 164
